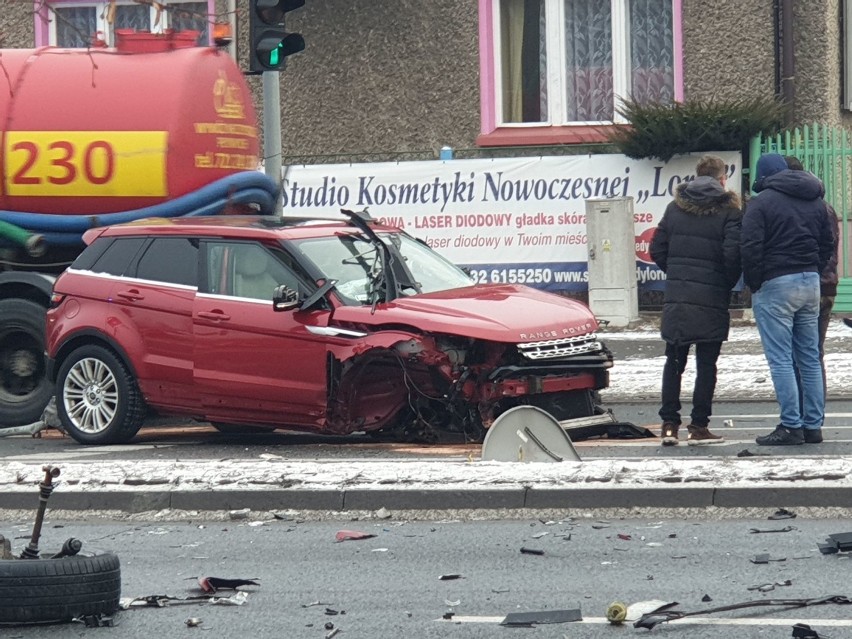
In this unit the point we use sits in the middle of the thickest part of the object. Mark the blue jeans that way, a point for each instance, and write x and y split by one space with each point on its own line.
787 312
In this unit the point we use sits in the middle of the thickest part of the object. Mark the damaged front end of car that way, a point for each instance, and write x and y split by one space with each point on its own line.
426 387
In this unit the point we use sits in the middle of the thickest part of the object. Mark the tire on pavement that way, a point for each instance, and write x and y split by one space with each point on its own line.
97 398
24 387
42 590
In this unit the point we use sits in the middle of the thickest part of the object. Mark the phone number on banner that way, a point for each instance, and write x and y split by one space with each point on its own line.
544 277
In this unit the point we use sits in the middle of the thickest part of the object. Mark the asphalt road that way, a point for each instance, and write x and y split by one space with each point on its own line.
170 439
389 586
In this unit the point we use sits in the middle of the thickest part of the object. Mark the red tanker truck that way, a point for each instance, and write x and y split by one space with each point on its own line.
155 127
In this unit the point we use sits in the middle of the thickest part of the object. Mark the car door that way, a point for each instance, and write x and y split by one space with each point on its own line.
253 364
154 303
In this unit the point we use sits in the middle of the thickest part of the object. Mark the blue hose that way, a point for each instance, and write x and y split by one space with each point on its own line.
249 187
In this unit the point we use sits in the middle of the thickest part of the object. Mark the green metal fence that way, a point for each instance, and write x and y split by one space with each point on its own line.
827 153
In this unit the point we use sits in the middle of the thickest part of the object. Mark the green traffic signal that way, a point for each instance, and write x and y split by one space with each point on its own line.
270 41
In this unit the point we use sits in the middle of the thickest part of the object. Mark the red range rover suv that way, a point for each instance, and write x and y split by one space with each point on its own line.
332 326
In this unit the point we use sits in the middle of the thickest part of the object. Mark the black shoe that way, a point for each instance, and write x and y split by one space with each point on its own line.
813 435
782 436
669 433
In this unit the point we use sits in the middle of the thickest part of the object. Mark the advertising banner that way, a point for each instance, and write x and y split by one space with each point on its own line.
516 220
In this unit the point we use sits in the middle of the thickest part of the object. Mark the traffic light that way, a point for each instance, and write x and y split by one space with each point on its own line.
270 41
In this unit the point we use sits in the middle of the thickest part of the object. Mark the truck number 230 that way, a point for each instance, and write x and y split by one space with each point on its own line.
96 162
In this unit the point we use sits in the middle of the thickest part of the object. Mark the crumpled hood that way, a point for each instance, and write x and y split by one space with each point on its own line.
498 313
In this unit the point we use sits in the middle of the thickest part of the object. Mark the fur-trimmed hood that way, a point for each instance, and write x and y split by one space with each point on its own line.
705 196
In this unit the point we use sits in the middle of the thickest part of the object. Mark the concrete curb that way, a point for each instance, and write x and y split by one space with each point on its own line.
358 499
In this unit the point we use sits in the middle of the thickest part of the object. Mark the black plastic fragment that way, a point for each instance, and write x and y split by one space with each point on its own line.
829 548
531 551
804 631
542 617
842 540
783 513
707 598
755 531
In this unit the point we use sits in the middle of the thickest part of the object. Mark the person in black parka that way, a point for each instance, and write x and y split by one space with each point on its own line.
697 245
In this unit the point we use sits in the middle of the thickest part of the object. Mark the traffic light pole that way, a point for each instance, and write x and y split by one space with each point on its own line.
272 130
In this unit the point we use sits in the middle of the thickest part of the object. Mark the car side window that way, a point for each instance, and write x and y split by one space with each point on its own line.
117 257
248 270
173 260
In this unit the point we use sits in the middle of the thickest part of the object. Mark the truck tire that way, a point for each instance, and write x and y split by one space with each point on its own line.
24 387
40 590
97 399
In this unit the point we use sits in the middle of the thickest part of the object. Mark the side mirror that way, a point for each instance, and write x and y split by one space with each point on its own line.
284 298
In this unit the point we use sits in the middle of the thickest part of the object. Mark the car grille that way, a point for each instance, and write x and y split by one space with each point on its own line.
559 348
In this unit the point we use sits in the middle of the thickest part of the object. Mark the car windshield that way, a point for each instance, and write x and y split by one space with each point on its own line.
356 264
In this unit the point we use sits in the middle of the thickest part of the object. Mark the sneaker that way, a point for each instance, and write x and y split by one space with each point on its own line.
700 435
669 434
782 436
813 435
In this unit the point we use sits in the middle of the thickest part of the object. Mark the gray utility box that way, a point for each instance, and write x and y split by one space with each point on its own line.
613 294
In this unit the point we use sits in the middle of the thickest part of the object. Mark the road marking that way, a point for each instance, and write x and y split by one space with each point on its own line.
709 621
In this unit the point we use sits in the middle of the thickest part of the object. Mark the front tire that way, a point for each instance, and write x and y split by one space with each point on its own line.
24 387
42 590
97 398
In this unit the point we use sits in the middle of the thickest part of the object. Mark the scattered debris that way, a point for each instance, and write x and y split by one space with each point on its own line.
765 558
450 577
616 613
328 625
540 535
839 542
236 515
755 531
747 453
331 612
706 598
804 631
345 535
314 603
212 584
452 604
624 537
448 615
163 601
193 622
770 587
652 619
332 633
545 616
96 621
383 513
783 513
531 551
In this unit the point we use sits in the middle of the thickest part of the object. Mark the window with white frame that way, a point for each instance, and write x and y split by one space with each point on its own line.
74 24
565 62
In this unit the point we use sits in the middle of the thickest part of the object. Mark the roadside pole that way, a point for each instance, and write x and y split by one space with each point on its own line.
272 130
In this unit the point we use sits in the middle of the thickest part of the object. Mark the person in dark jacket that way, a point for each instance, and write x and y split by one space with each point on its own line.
787 241
828 279
697 245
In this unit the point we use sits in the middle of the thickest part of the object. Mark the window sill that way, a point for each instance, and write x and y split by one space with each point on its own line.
544 135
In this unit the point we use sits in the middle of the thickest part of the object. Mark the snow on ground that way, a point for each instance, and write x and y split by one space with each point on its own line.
444 474
742 370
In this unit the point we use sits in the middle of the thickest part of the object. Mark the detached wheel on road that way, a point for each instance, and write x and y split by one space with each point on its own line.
39 590
97 398
24 387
